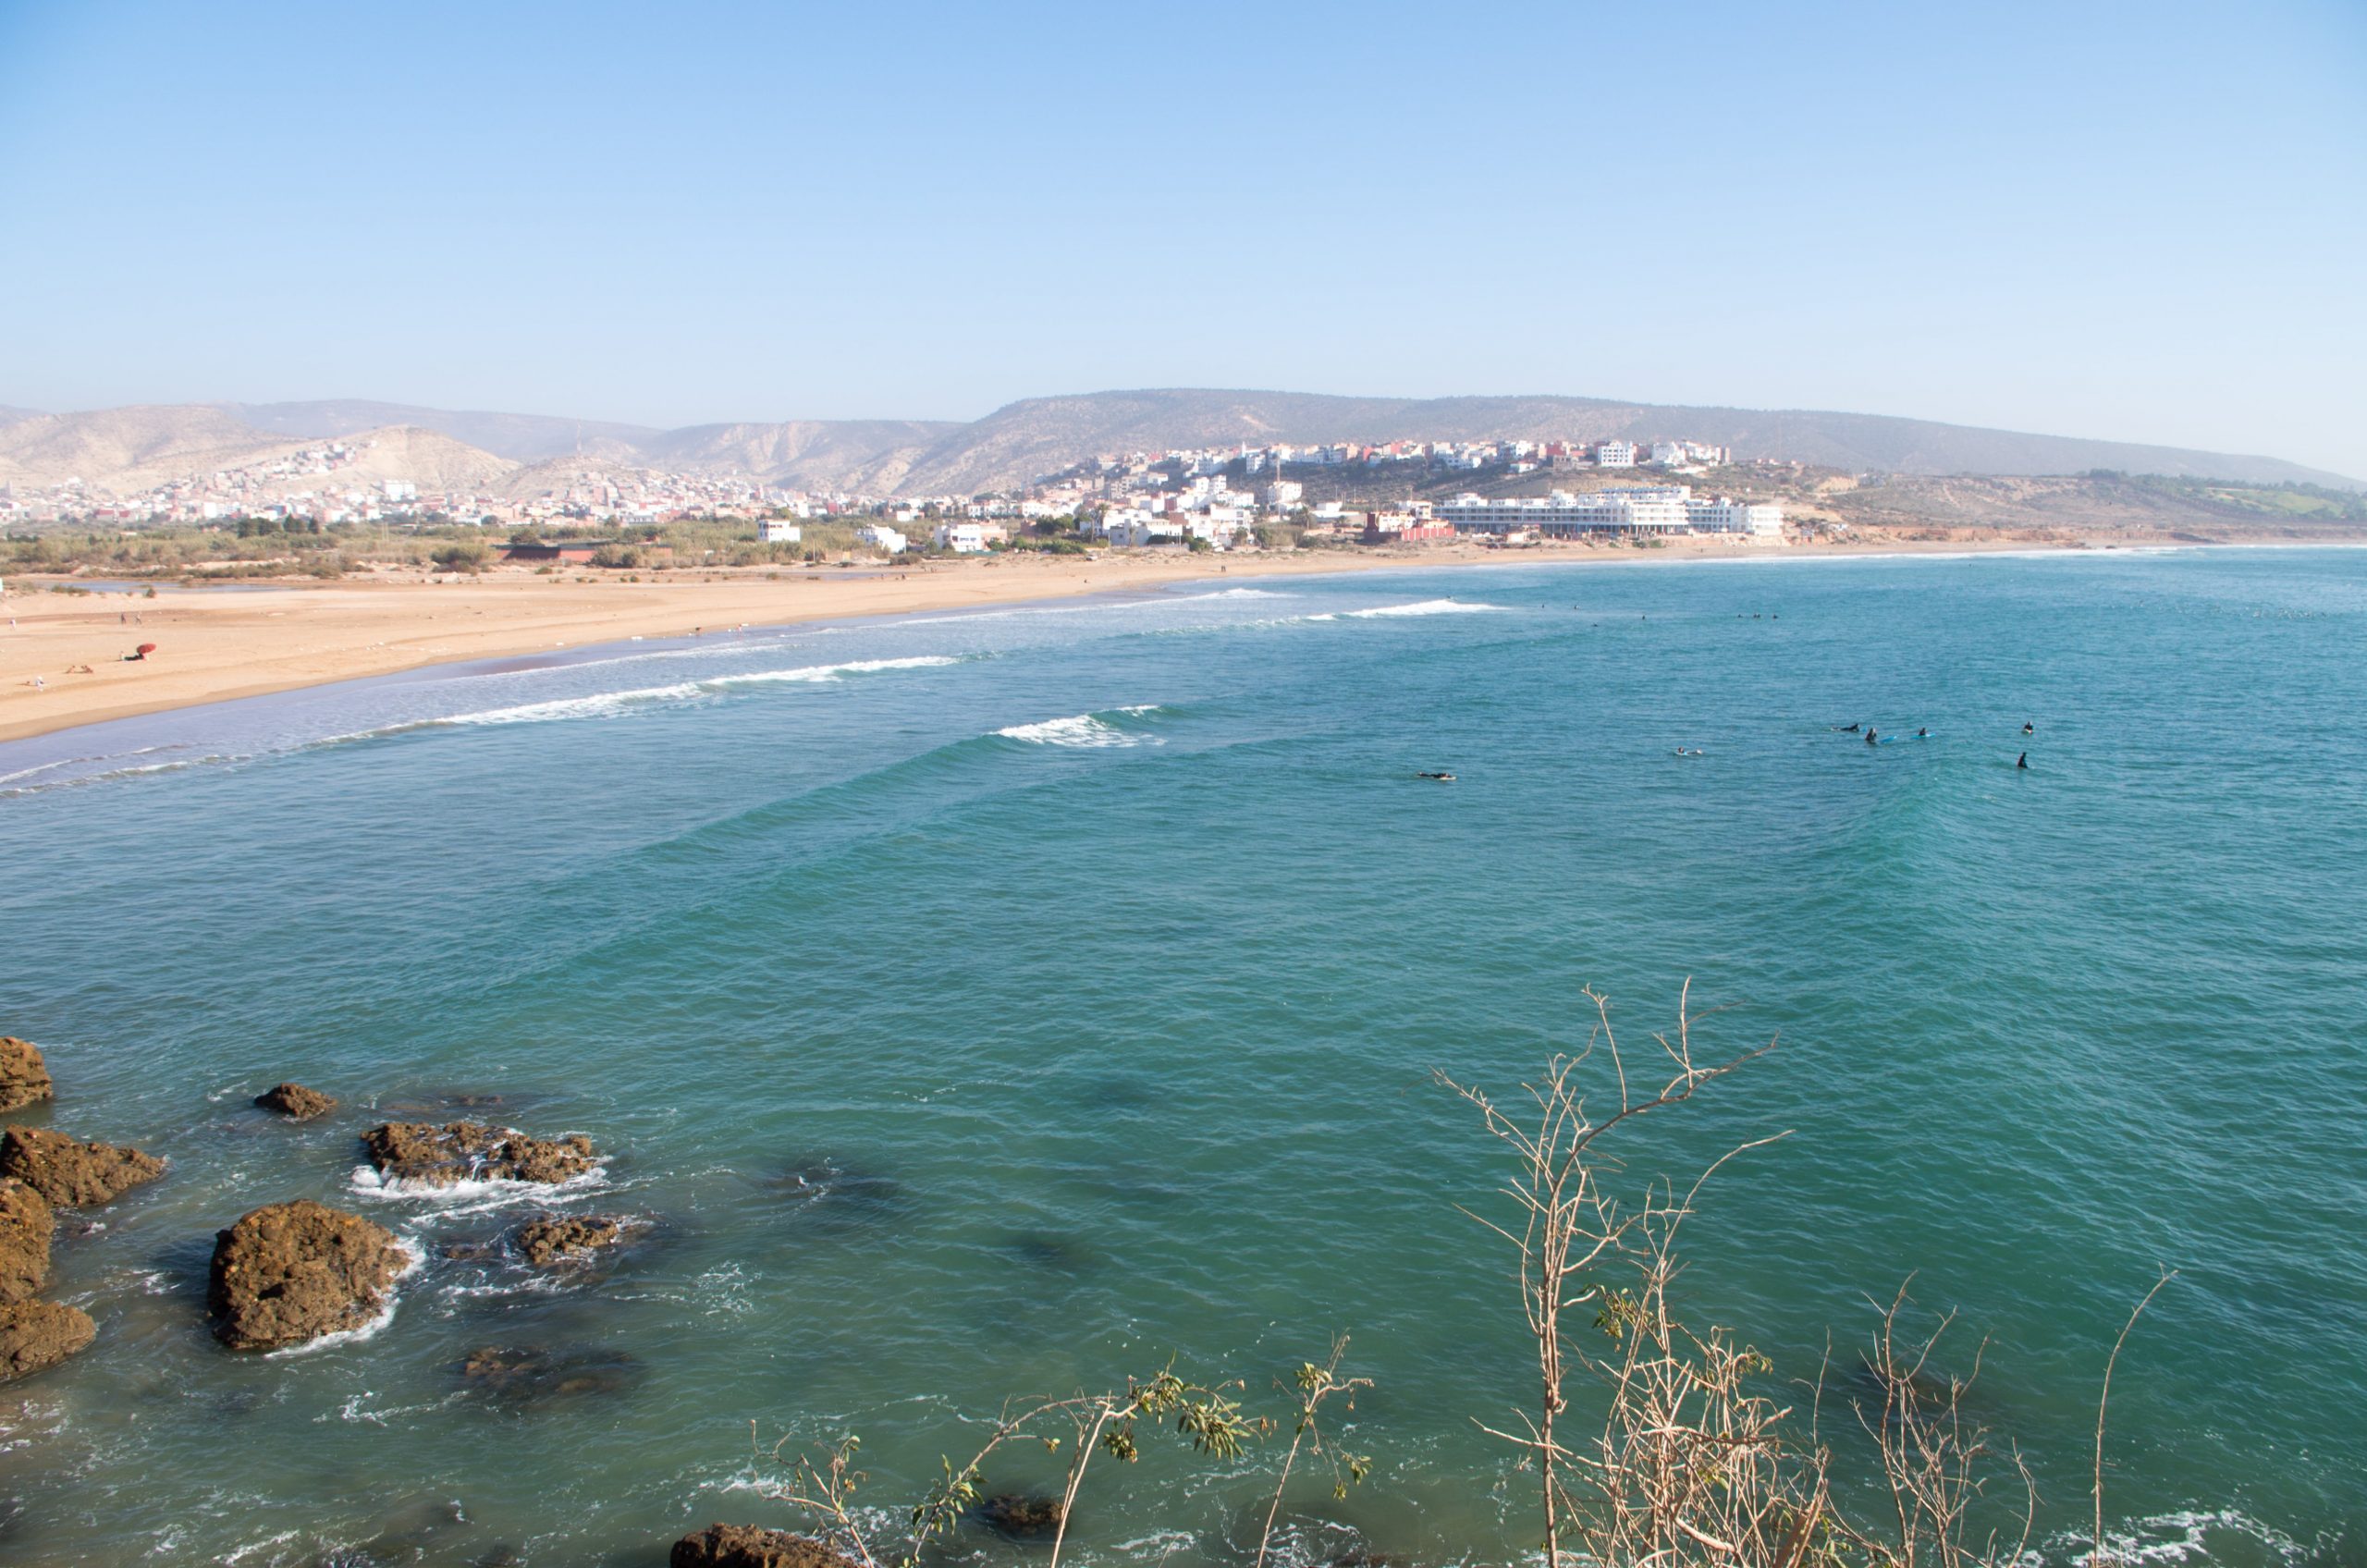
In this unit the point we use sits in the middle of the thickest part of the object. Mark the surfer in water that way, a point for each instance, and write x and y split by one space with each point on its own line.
2028 729
1843 729
1923 734
2023 762
1871 737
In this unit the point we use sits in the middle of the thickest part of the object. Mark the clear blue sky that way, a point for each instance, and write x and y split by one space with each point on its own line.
2142 221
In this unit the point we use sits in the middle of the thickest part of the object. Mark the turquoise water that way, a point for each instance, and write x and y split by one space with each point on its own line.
999 1002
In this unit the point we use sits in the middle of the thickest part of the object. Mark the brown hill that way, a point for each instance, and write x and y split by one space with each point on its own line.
128 449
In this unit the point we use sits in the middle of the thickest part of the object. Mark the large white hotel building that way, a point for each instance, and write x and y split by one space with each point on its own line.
1634 510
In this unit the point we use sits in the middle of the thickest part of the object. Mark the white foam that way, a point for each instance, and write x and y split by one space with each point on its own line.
1426 607
832 671
2183 1536
1079 729
475 1195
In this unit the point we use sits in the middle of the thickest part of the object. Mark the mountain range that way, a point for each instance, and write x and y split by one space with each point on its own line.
127 449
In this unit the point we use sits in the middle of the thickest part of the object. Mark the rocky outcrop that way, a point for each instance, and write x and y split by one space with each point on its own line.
25 1226
296 1102
24 1077
533 1375
1021 1516
36 1335
751 1545
72 1174
555 1240
473 1151
290 1272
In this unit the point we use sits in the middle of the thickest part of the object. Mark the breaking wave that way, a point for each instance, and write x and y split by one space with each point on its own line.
1424 607
1085 729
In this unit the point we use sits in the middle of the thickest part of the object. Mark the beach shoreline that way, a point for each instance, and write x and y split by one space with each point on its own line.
63 664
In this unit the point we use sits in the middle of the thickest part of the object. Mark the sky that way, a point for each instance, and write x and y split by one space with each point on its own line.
2138 222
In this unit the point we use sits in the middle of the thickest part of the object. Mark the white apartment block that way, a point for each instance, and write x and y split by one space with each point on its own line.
879 536
1615 454
1636 510
773 531
961 538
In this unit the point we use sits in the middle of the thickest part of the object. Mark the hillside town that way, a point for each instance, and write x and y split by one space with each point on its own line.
1206 498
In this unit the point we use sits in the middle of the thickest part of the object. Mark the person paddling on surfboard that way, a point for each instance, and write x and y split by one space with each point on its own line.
2023 762
2030 728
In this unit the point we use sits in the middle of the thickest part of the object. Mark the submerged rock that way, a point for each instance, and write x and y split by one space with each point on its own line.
554 1239
70 1174
536 1375
830 1196
751 1546
26 1228
24 1077
1020 1515
38 1334
290 1272
297 1102
473 1151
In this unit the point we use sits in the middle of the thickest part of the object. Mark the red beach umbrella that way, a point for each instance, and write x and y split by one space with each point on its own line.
145 648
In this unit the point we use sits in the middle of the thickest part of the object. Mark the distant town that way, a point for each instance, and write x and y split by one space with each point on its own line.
1205 498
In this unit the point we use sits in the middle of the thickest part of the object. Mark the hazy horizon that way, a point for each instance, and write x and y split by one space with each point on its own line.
2111 227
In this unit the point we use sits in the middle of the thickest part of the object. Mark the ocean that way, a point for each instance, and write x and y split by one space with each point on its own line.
978 1005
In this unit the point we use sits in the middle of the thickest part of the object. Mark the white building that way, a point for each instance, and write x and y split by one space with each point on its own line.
961 538
1642 509
1615 454
1282 495
1761 522
773 531
879 536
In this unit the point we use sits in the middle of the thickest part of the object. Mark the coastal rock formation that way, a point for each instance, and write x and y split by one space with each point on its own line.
1021 1516
473 1151
554 1240
25 1226
297 1102
751 1546
537 1375
35 1334
72 1174
24 1077
290 1272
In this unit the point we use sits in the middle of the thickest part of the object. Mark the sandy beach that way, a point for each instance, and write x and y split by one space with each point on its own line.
62 654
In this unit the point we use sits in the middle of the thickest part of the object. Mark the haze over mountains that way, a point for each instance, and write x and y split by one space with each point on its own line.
127 449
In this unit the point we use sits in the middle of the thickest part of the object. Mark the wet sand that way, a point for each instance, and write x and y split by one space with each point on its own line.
214 645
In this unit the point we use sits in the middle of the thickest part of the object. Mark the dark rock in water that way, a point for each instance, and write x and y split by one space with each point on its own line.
297 1102
24 1077
554 1239
473 1151
537 1375
468 1250
436 1104
70 1174
293 1271
830 1196
1020 1515
25 1226
497 1557
751 1545
38 1334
